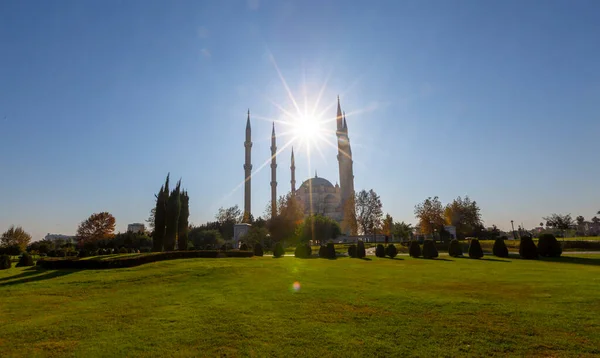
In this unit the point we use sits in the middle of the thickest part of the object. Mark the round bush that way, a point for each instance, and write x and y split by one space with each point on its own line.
244 247
5 262
455 248
360 250
527 248
500 249
278 250
548 246
380 251
123 251
258 250
414 250
331 251
25 260
352 251
429 249
475 251
391 251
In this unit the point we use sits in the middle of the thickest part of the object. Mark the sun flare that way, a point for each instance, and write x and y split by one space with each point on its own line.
307 127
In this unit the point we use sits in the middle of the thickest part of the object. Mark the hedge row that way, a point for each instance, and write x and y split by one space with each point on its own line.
132 261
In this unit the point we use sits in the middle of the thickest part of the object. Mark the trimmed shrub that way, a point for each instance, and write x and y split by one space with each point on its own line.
391 251
5 262
414 250
25 260
323 252
308 250
258 250
527 249
352 251
331 251
455 248
380 251
244 247
360 250
238 254
500 249
301 251
429 250
475 251
278 250
548 246
123 251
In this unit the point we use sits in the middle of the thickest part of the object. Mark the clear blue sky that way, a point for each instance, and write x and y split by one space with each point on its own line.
498 100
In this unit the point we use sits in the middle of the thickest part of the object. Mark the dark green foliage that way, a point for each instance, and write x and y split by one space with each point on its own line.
500 249
527 248
83 253
183 223
331 251
173 211
319 228
278 250
131 261
380 250
302 251
308 250
414 250
25 260
323 252
5 262
352 251
391 251
123 251
160 217
548 246
244 247
258 250
475 251
360 250
429 249
455 248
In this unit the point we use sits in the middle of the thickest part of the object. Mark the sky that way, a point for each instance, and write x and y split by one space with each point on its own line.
99 100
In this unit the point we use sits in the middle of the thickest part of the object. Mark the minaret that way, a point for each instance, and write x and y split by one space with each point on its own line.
273 174
344 157
293 169
247 168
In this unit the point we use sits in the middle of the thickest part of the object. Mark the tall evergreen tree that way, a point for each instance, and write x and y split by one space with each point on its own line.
182 232
160 217
173 211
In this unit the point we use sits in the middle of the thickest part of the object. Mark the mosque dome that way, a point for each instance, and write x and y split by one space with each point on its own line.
315 182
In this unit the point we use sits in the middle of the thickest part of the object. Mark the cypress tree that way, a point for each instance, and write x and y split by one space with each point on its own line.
475 250
414 250
160 217
500 249
182 232
173 211
360 250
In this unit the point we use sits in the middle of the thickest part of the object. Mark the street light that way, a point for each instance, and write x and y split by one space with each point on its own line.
512 223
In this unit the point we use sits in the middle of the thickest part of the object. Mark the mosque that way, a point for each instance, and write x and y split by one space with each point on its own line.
316 195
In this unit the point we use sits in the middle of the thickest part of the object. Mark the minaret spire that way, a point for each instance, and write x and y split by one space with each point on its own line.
248 169
339 115
273 173
293 169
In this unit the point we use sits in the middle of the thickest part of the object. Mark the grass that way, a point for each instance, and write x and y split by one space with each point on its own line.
345 307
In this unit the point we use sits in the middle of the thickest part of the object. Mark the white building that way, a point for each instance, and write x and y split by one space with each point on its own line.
54 237
136 227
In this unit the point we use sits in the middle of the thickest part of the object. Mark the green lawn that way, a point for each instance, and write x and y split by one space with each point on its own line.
345 307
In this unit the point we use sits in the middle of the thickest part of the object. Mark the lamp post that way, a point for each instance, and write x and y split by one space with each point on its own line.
512 223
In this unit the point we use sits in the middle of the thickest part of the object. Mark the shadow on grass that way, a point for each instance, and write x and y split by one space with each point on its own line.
484 258
26 273
43 275
573 260
395 258
432 259
366 259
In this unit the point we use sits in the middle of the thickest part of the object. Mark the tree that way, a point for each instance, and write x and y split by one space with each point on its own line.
349 224
278 250
560 222
428 212
183 224
205 239
319 228
227 218
596 220
256 235
15 236
368 211
99 226
500 249
402 230
388 225
289 216
361 252
464 214
173 211
580 220
475 251
151 218
160 218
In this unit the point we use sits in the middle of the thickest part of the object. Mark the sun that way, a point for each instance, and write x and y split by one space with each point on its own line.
307 127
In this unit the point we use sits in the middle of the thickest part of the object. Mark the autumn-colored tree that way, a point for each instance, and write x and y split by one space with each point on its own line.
388 225
99 226
15 236
428 212
464 215
349 224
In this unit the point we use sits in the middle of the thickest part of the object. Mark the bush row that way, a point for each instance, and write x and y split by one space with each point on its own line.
5 262
357 251
131 261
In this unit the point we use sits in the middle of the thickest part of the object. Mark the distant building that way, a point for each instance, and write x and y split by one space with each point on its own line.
137 228
54 237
